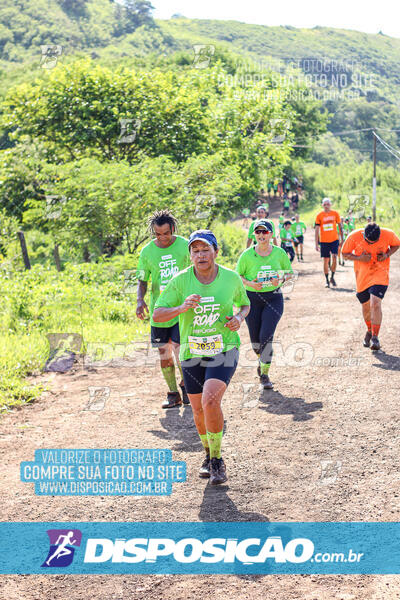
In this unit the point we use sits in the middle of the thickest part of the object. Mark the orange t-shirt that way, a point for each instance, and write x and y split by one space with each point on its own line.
327 225
373 272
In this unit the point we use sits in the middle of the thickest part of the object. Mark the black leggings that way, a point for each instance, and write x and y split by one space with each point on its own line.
266 309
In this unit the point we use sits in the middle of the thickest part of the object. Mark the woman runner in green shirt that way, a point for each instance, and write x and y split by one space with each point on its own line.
203 296
263 269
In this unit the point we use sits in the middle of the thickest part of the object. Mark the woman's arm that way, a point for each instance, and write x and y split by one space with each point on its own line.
163 314
257 285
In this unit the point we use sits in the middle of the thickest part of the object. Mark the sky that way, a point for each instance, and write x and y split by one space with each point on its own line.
344 14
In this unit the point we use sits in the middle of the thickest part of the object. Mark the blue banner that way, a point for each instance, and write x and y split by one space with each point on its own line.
200 548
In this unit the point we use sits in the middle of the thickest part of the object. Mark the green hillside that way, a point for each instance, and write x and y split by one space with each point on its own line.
354 74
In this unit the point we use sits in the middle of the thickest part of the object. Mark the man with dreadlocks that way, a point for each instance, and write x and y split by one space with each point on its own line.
160 260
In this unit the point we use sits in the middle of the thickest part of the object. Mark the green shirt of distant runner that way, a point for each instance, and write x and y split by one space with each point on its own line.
297 230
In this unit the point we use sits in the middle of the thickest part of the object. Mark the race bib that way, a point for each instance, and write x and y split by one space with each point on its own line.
328 226
298 231
206 346
265 277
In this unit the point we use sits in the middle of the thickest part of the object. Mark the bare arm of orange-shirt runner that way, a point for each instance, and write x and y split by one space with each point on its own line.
364 257
384 255
317 238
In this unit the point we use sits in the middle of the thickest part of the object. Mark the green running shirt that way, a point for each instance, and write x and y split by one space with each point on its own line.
202 331
253 266
161 264
298 228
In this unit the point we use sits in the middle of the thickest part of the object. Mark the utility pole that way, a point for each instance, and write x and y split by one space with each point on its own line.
374 182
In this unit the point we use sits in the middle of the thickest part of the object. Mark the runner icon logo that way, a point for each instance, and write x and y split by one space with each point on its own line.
98 397
329 471
61 551
251 395
202 55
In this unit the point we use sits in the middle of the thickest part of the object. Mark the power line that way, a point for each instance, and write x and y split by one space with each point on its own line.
388 147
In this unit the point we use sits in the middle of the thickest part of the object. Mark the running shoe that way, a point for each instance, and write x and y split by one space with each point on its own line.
265 382
217 471
375 345
173 399
204 470
333 282
185 397
367 339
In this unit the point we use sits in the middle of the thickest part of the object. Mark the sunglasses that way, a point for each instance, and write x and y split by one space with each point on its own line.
258 231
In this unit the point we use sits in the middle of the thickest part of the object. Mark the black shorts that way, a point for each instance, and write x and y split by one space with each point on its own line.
197 370
328 248
375 290
160 336
300 240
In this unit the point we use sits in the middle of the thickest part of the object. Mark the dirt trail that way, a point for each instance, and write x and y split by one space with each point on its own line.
273 447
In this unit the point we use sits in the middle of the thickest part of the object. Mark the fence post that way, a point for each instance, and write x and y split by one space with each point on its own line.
56 255
24 250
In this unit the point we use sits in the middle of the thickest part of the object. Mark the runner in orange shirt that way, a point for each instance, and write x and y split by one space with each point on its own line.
371 249
327 238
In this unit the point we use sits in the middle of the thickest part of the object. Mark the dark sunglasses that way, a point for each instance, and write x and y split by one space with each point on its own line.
258 231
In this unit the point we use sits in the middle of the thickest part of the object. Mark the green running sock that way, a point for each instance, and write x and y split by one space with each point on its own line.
264 368
178 362
214 442
169 376
204 441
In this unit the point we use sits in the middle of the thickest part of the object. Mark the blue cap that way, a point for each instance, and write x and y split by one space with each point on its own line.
204 235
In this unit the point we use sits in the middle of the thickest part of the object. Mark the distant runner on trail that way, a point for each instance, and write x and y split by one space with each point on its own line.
202 296
159 261
297 230
327 238
371 249
246 214
261 213
263 269
287 239
286 205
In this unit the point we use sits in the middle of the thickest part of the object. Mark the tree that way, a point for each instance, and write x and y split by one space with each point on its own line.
132 14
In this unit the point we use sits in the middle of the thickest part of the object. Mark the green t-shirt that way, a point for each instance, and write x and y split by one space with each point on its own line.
202 331
352 224
253 266
286 237
281 222
246 212
286 204
161 264
298 228
251 234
